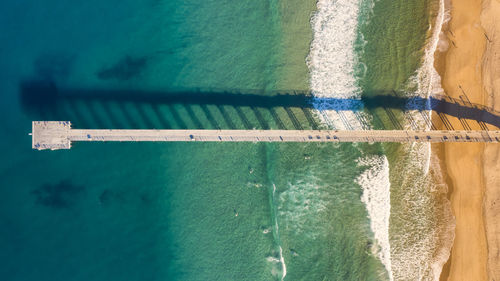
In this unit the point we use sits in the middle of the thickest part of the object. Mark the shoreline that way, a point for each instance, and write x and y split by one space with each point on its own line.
466 68
438 149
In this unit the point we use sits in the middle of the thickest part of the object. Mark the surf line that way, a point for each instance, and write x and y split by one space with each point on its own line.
276 234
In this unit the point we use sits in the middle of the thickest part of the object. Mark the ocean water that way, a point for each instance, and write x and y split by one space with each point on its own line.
142 211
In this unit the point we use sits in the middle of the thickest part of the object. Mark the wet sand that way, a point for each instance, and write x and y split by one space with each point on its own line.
472 168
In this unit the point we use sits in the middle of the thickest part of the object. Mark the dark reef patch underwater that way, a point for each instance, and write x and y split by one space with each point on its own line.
125 69
59 195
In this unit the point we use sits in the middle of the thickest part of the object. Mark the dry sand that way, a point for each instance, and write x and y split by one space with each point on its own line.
490 20
473 168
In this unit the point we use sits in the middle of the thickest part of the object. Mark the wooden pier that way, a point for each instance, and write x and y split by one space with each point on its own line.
59 135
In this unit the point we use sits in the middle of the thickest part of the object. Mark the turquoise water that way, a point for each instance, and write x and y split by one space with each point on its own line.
142 211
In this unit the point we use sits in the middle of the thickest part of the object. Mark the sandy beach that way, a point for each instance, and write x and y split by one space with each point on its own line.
491 80
469 68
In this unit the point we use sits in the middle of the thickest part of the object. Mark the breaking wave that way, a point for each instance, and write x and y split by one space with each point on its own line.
332 60
377 198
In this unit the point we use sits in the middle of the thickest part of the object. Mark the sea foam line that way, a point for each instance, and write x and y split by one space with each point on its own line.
427 78
423 253
377 198
429 83
282 259
277 235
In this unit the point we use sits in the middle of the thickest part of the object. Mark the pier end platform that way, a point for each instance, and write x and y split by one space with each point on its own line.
51 135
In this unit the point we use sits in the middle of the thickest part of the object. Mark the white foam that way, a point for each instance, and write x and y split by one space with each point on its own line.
429 84
419 245
272 259
423 256
283 265
377 198
427 79
332 60
301 204
276 229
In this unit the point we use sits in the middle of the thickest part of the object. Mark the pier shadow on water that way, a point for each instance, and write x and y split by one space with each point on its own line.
239 109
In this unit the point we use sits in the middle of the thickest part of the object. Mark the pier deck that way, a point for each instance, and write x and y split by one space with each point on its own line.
59 135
